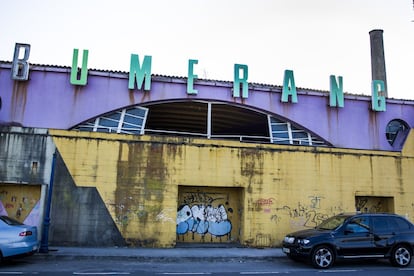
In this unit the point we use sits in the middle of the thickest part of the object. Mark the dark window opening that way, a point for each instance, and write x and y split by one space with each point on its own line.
397 130
211 120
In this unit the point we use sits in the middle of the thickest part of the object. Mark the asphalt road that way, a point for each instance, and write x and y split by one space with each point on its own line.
33 266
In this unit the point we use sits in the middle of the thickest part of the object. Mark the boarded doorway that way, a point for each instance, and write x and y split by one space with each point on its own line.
21 202
208 215
374 204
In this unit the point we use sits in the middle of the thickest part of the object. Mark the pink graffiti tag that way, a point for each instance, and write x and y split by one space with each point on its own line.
265 201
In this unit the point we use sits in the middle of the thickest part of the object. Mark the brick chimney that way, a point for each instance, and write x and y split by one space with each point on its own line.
377 58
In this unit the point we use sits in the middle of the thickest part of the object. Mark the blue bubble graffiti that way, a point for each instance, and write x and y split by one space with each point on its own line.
201 219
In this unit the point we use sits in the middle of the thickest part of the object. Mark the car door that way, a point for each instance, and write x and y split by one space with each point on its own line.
383 231
355 238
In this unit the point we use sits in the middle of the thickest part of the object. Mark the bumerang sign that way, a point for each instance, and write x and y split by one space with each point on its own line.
140 74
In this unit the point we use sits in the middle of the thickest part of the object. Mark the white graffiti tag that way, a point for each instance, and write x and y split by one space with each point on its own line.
163 216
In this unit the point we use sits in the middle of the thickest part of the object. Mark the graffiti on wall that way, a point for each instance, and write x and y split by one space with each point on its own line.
304 214
191 198
265 201
164 216
203 219
125 210
21 204
265 204
262 240
208 214
3 211
371 204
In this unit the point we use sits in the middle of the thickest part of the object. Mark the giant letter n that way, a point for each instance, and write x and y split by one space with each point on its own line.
336 92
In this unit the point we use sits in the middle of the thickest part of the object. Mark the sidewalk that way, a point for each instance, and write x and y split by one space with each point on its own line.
162 255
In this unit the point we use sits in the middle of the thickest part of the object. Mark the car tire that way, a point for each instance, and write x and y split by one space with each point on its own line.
322 257
401 256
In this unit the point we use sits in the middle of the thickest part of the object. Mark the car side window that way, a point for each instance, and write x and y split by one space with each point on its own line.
400 224
381 224
358 225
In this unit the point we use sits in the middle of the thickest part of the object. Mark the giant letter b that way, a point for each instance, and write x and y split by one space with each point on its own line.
20 67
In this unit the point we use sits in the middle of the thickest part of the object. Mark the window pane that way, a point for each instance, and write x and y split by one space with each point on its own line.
401 224
133 120
279 127
108 122
104 129
139 112
299 135
114 116
380 224
359 225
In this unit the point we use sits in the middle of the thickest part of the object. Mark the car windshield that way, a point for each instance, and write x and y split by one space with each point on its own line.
332 222
10 221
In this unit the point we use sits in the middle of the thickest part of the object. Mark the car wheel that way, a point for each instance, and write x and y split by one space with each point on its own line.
322 257
401 256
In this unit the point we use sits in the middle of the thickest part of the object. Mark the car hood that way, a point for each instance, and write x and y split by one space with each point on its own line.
308 233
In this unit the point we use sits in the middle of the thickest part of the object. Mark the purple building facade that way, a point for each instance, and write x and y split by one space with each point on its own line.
47 99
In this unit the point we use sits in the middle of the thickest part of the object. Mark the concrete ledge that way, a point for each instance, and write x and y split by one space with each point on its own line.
162 255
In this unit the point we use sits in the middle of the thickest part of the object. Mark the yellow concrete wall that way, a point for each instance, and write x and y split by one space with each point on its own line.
284 188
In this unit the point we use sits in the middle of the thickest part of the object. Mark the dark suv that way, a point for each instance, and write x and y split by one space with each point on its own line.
358 235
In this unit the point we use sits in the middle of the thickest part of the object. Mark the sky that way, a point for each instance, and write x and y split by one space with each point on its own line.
314 38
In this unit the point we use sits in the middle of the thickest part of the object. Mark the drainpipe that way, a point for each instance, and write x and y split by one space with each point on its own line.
377 58
44 244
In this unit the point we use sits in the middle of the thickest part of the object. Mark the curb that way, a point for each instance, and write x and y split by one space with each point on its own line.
155 259
161 255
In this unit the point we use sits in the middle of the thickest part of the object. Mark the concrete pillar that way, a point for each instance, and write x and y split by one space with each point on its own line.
377 58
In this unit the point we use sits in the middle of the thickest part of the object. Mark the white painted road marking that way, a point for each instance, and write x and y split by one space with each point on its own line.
339 271
101 273
260 272
186 273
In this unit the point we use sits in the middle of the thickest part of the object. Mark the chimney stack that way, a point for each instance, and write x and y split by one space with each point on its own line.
377 58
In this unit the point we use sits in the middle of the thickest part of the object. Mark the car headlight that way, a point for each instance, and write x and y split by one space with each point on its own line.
289 239
304 241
